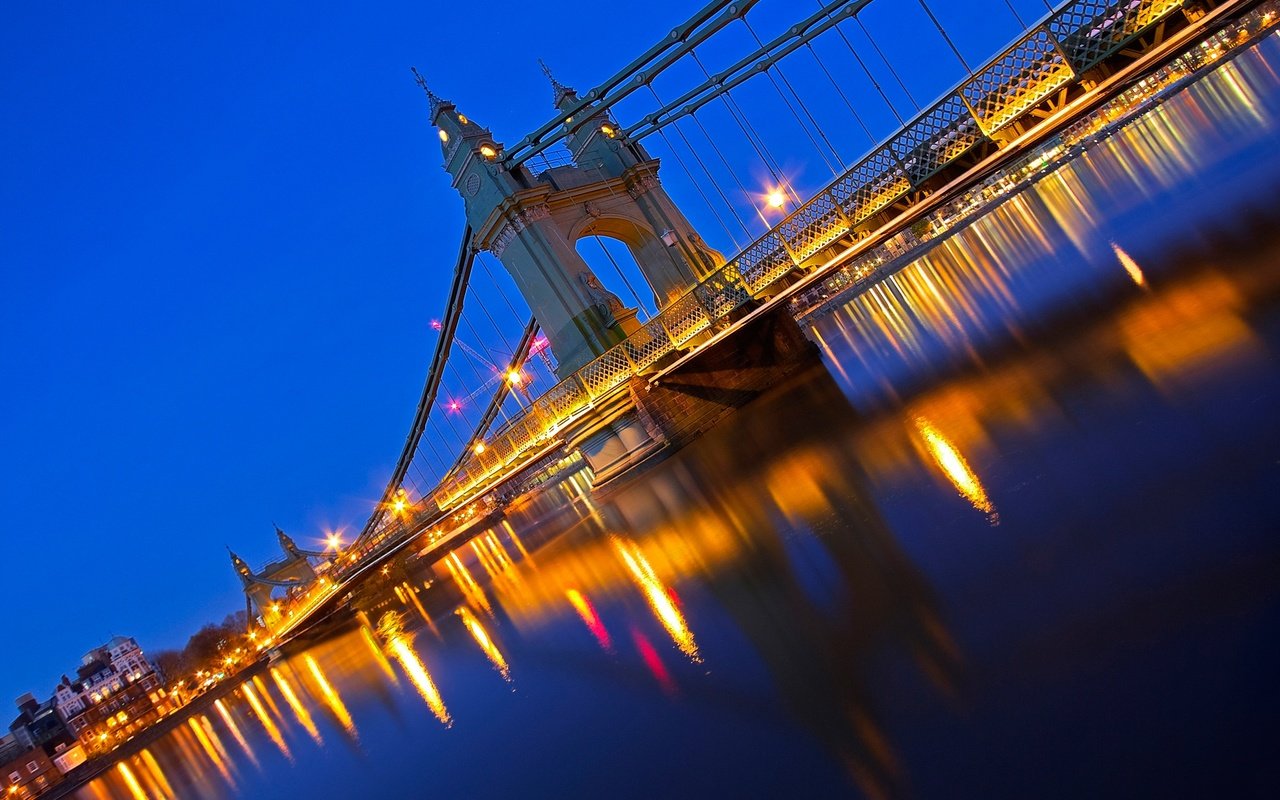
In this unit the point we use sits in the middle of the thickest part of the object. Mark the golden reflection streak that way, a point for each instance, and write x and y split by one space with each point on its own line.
422 612
470 589
331 697
1130 266
419 676
298 710
235 729
131 781
211 752
157 774
182 737
954 466
266 720
266 697
217 741
486 644
511 534
589 617
378 655
658 596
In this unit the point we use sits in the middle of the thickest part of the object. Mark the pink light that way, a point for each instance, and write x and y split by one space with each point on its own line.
539 344
454 405
653 661
435 325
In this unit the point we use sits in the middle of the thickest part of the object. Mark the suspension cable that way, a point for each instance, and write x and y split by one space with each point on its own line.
874 46
710 177
822 65
946 37
761 152
1016 15
808 129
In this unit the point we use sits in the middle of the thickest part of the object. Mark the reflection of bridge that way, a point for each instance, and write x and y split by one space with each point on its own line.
585 175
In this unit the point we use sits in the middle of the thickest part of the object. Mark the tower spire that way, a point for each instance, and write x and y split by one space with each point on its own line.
435 100
558 89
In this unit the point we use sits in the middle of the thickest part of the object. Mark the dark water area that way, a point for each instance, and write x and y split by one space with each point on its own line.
1018 536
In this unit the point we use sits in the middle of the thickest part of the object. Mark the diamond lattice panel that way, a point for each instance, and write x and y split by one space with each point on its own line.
561 402
722 292
872 184
1027 73
606 373
1091 30
936 138
684 319
764 262
815 225
648 344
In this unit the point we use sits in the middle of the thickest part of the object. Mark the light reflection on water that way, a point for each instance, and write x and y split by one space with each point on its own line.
814 596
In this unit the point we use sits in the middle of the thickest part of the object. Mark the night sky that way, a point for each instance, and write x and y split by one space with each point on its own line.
224 233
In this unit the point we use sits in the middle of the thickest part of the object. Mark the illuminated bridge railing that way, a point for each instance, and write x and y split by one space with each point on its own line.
1049 57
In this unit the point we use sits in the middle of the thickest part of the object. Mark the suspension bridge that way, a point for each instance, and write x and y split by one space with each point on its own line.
559 359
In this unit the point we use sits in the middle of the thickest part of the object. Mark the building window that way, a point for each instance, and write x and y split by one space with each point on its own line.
14 777
32 767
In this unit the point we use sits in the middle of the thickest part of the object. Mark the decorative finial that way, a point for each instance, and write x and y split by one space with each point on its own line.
435 100
559 90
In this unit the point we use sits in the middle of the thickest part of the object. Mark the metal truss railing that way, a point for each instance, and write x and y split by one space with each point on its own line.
1050 56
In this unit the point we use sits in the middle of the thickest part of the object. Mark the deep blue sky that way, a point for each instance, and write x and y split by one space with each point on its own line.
224 233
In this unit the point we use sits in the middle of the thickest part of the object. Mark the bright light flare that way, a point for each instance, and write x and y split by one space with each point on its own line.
1130 266
658 596
514 377
486 644
390 627
955 467
776 198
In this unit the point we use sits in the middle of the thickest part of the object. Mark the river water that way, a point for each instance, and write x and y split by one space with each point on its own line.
1019 536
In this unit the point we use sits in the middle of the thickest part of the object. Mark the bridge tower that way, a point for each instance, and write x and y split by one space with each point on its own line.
292 572
532 223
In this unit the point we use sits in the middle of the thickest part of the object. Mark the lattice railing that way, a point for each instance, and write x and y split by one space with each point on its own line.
763 262
684 319
815 225
647 345
936 138
873 183
1026 74
722 292
606 373
1090 30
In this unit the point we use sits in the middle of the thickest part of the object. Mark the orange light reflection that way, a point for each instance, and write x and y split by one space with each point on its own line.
658 597
331 698
486 644
957 470
265 719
